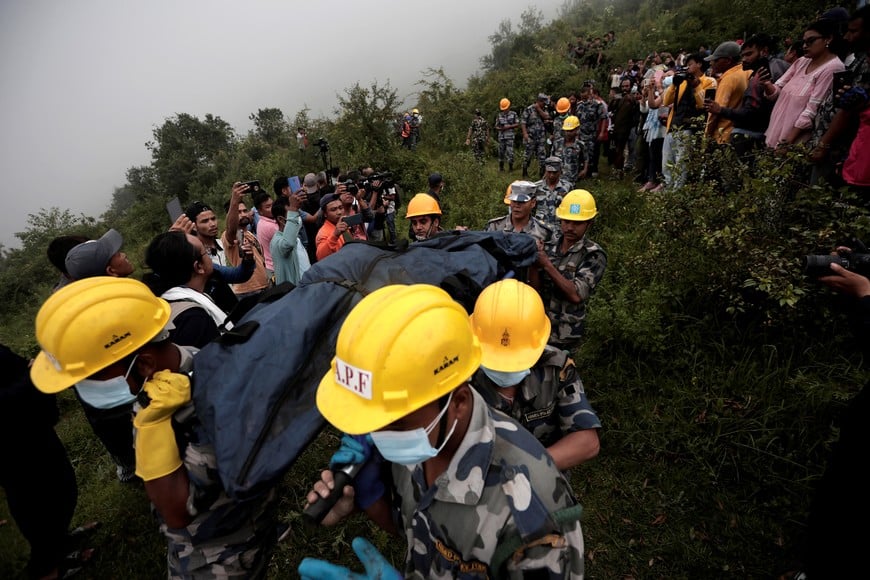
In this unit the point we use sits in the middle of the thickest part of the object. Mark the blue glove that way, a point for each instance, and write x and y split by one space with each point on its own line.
354 449
368 485
377 567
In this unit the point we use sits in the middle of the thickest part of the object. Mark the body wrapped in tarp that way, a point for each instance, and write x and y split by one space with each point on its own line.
256 395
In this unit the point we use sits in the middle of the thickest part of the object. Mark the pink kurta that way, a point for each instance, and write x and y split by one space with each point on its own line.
800 95
856 169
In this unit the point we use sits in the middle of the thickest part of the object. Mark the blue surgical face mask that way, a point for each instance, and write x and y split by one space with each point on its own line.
411 447
504 379
667 81
107 394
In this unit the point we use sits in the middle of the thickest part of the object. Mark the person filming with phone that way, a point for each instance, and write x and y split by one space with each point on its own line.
751 116
333 234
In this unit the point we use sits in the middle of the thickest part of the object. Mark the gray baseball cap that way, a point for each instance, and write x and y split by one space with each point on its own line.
91 258
310 183
727 49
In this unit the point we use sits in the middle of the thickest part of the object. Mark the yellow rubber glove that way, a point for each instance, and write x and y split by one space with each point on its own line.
156 451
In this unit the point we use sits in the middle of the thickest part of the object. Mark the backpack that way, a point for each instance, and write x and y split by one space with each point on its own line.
254 387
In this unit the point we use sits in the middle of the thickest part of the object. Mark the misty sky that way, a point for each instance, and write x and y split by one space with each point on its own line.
85 81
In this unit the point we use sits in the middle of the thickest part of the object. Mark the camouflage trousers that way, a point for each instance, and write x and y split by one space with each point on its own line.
536 147
506 150
478 147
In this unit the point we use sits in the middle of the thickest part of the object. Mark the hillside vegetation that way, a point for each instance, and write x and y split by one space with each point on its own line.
717 368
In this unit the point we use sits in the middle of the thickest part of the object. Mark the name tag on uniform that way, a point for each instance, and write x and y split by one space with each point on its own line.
353 379
539 413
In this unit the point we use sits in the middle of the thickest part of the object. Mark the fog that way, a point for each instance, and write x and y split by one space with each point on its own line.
85 82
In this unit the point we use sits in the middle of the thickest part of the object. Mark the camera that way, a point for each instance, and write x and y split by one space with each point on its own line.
323 145
351 186
820 265
680 78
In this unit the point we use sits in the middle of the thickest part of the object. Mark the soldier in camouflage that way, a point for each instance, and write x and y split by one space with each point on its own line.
572 152
223 538
478 136
505 125
475 494
592 114
568 269
563 111
520 219
549 192
523 377
534 133
209 535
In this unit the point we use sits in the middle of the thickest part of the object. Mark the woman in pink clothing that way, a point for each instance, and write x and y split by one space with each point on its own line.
799 92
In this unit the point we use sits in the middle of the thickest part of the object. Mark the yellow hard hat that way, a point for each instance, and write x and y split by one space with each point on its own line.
422 204
415 111
399 349
507 194
570 123
562 105
577 206
504 104
88 325
511 324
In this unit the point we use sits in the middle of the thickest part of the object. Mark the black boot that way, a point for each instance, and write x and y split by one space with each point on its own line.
525 171
511 167
501 165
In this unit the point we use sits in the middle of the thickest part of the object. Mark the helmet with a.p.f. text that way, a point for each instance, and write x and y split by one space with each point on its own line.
88 325
577 206
562 105
422 204
511 324
399 349
504 104
570 123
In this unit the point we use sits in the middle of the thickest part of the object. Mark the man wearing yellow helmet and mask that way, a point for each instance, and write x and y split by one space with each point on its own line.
568 269
115 332
474 493
525 378
506 123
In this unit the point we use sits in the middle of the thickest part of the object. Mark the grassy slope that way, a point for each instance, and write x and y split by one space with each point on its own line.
709 448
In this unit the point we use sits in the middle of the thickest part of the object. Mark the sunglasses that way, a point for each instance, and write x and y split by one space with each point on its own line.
810 40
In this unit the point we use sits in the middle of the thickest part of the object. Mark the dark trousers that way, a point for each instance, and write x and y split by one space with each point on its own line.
41 492
114 428
654 169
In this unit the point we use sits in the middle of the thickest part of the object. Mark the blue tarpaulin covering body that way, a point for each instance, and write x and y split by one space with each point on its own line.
256 399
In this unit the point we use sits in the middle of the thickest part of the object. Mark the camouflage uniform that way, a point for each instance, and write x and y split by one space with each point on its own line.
584 265
479 137
501 487
506 137
537 144
590 113
574 156
549 200
558 136
225 538
550 402
535 228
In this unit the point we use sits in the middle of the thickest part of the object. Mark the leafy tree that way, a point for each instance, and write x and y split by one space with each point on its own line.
26 275
271 126
187 150
365 118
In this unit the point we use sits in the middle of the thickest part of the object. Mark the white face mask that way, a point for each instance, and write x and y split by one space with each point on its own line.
411 447
505 379
107 394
